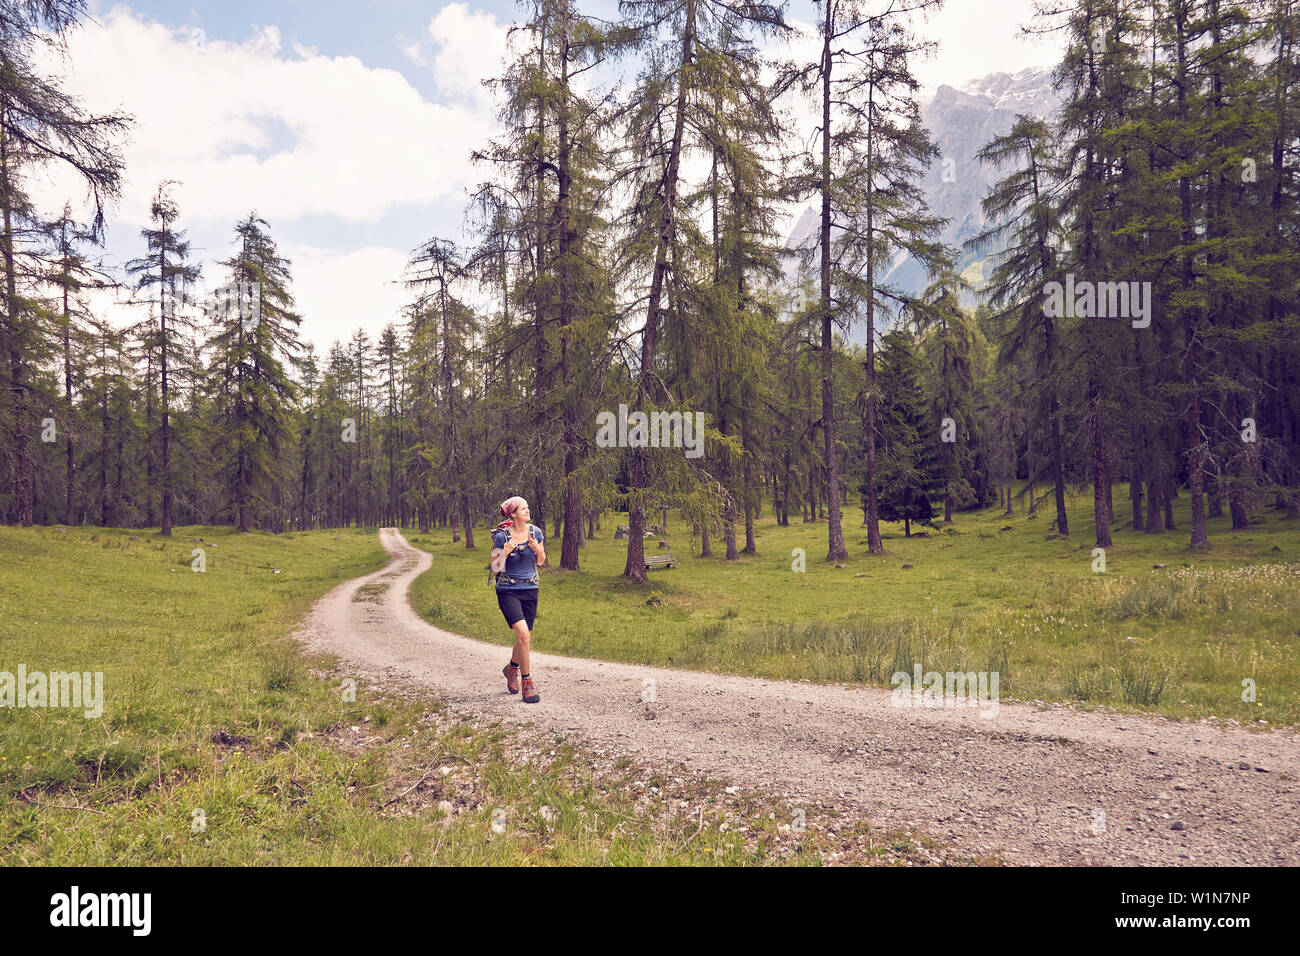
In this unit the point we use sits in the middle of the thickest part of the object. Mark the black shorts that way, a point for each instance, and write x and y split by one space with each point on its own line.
518 606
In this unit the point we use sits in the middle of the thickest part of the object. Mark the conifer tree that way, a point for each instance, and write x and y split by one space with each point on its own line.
872 150
166 269
947 347
40 125
907 470
678 40
1022 210
71 274
254 349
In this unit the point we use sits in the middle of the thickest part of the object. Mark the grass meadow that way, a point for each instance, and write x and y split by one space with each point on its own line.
988 593
220 743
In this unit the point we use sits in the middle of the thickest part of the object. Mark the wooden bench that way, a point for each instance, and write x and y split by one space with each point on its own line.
660 561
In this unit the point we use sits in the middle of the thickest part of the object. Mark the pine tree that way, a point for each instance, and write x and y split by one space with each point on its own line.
906 469
254 347
1022 209
39 124
440 326
167 269
741 131
873 150
948 348
679 40
1102 82
391 362
71 274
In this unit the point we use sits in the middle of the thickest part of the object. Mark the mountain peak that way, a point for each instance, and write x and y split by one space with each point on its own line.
1027 91
961 120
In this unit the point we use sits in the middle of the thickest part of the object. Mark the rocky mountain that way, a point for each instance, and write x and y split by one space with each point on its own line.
961 122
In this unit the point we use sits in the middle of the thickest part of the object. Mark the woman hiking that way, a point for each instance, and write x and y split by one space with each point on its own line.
517 551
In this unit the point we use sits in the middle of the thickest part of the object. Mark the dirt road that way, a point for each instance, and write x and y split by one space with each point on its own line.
1035 785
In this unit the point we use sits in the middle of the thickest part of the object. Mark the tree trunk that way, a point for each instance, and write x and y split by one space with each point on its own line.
1100 479
572 495
1200 538
105 511
835 551
166 526
18 438
635 567
68 476
1049 354
466 522
241 490
1135 497
751 545
148 440
729 532
1149 476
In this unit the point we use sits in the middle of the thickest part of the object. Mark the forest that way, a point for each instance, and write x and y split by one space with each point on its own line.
1134 333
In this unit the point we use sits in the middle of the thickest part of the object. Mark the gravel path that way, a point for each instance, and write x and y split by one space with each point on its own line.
1034 785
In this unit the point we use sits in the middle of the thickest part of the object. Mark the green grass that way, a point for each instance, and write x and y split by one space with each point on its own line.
987 593
220 743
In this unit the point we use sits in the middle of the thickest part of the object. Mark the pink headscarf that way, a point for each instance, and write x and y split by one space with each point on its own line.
508 508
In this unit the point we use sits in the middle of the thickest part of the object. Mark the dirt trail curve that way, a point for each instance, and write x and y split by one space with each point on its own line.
1034 785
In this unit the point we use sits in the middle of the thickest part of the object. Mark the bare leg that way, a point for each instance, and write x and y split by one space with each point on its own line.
522 639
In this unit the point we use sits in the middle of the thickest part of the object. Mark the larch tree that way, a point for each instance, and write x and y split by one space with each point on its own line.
669 107
42 127
165 271
1022 211
254 349
71 275
871 151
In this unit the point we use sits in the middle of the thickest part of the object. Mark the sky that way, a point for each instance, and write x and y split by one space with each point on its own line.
348 126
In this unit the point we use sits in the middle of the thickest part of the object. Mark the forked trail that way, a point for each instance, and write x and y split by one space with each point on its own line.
1031 784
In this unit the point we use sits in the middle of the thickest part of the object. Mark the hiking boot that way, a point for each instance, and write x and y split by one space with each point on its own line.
530 692
512 678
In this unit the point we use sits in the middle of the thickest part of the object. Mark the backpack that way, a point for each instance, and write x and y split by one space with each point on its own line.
493 571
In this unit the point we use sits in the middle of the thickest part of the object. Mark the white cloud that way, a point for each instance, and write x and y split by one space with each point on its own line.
295 133
338 293
412 50
249 125
354 142
977 39
471 45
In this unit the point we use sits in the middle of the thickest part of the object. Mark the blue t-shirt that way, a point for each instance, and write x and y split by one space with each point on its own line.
521 562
